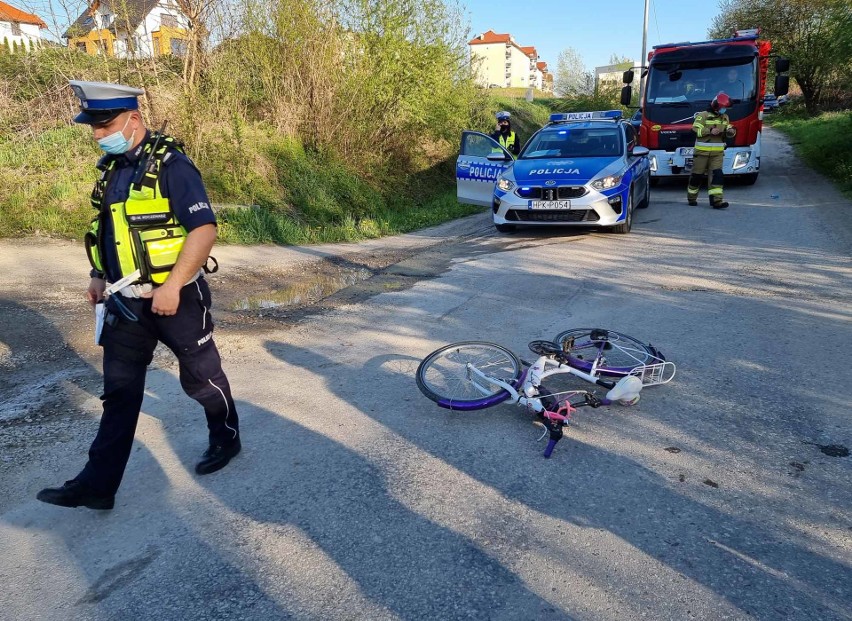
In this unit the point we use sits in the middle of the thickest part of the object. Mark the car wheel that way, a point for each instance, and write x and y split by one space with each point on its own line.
505 228
625 226
646 200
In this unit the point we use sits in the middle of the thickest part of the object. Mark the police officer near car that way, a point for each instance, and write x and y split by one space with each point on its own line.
505 135
149 248
711 128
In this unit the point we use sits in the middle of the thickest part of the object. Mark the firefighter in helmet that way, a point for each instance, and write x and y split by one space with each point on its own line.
711 128
505 135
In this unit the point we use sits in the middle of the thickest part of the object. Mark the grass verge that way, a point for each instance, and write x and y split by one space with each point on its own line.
295 196
823 142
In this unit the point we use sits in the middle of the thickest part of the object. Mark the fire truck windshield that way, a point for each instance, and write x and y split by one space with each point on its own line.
676 91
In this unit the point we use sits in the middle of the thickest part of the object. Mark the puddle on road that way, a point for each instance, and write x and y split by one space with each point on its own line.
305 289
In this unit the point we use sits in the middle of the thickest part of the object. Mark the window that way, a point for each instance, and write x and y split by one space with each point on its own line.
178 46
81 46
16 29
477 145
169 21
631 136
566 141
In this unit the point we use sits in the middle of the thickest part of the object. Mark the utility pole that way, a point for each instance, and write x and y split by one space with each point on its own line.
644 52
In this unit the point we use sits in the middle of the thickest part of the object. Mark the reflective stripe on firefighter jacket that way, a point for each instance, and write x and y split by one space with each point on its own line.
705 141
147 235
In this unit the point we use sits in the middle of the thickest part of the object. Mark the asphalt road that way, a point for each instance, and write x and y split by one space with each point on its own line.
716 497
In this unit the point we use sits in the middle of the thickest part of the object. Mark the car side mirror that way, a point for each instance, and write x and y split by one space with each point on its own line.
782 85
640 151
626 95
498 157
627 77
782 64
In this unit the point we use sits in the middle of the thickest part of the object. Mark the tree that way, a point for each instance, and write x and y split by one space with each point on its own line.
615 59
816 35
571 77
198 13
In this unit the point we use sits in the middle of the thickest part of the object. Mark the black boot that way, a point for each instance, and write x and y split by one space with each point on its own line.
720 205
76 494
692 202
217 457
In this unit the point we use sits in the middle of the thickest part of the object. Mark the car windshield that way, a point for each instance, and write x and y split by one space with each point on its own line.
570 142
676 91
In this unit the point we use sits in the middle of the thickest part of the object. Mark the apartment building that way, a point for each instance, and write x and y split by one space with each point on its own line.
19 30
500 61
610 77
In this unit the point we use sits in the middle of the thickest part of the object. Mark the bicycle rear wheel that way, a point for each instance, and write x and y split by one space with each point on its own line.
443 375
620 353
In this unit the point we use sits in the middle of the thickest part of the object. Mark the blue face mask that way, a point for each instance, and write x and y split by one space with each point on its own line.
116 143
722 110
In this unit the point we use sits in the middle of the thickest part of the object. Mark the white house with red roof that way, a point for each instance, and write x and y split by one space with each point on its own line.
19 30
499 61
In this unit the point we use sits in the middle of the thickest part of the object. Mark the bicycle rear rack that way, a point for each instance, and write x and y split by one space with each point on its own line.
655 374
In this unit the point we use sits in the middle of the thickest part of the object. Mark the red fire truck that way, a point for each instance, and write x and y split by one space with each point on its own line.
683 78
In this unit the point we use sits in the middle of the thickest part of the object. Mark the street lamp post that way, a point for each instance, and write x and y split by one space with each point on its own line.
644 50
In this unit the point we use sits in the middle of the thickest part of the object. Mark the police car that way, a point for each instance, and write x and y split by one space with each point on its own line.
581 169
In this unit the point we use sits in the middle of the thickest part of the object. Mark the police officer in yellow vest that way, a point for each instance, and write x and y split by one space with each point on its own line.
711 127
504 134
149 246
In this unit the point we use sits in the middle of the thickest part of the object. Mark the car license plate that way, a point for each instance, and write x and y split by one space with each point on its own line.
549 204
686 151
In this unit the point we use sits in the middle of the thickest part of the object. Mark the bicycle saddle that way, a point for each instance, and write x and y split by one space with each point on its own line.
544 348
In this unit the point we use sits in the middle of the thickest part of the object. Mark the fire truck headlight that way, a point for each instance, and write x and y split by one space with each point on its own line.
741 159
653 161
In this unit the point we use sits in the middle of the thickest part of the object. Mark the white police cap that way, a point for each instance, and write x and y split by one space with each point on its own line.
503 115
101 101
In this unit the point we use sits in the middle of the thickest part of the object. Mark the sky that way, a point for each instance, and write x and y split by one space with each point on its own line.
596 30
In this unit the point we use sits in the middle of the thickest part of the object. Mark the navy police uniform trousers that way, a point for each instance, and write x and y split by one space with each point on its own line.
128 350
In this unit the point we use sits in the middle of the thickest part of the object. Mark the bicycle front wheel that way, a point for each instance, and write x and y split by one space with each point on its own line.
617 356
445 378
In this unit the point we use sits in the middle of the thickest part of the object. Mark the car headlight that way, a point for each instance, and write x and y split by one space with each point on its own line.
505 185
605 183
741 159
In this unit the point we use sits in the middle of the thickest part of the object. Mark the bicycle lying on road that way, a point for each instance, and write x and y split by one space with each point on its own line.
473 375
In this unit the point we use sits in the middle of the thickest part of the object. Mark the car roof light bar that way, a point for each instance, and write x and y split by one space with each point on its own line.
597 115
